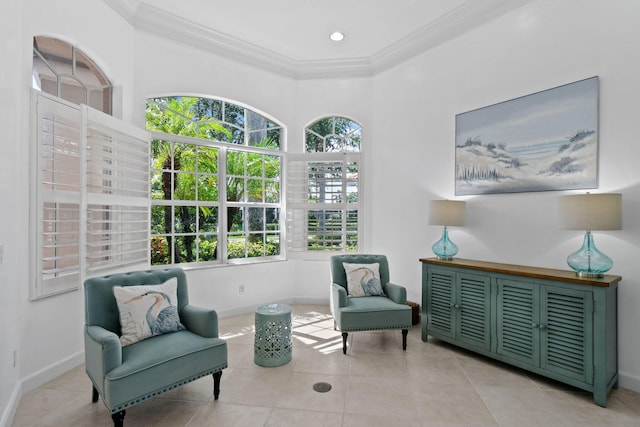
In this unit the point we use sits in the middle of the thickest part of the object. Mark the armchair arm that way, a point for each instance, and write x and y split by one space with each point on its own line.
102 353
338 295
200 320
396 293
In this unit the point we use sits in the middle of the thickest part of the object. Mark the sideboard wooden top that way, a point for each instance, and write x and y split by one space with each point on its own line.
526 271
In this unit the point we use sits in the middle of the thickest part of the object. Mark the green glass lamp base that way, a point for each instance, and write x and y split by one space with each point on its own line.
588 261
444 248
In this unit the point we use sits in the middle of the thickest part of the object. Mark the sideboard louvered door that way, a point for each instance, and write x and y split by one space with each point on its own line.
473 314
566 330
518 332
547 327
439 302
458 306
547 321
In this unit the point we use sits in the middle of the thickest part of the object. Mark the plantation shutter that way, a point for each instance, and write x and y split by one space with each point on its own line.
91 190
57 185
322 202
117 193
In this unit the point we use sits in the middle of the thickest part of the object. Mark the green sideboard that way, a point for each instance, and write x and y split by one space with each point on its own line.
547 321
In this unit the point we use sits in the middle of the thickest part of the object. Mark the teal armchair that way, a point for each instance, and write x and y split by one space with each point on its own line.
126 376
367 313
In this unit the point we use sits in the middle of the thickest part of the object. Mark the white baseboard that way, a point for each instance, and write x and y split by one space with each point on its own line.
247 309
12 407
629 381
35 380
251 308
312 301
52 371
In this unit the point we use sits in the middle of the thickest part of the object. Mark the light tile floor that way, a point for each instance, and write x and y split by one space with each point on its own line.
375 384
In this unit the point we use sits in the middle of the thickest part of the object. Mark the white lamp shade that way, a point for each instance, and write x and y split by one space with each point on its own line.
591 211
446 212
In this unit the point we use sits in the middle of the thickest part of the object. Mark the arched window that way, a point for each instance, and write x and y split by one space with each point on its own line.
66 72
323 195
90 173
333 134
215 182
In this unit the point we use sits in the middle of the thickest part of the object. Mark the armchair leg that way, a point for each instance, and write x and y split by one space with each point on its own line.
118 419
216 384
404 339
344 342
94 395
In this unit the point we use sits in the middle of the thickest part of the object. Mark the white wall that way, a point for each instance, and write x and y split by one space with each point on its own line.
546 44
12 221
408 116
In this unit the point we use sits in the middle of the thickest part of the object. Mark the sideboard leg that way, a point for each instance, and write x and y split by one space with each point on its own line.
425 332
600 397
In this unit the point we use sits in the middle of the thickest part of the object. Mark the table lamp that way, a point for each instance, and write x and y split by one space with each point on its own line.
591 212
447 213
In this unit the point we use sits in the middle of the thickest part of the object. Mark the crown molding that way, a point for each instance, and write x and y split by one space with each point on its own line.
466 17
335 68
125 9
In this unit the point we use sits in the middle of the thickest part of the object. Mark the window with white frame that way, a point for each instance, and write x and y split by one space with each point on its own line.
64 71
215 182
323 203
89 175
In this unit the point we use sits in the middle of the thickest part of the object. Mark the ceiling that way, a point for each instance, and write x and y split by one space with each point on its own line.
291 37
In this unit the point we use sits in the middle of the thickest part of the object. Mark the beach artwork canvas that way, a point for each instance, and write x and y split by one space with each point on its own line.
540 142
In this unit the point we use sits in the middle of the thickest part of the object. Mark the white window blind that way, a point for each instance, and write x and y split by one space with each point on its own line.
90 183
57 185
117 193
322 202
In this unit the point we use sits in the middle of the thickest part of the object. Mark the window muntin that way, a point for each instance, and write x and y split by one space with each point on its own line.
212 119
323 188
195 218
184 198
333 134
63 70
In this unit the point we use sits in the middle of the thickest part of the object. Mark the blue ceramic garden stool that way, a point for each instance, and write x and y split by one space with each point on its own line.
273 335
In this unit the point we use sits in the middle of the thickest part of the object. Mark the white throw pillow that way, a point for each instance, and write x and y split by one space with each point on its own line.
363 280
147 310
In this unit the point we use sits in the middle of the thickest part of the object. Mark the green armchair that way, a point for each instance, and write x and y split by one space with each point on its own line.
367 313
124 376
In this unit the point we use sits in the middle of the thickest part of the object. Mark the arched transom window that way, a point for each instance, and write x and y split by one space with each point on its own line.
66 72
323 195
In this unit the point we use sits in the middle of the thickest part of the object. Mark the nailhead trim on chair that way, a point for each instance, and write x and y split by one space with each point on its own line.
164 390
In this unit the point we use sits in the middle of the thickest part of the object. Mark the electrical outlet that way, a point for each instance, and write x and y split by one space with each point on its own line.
241 289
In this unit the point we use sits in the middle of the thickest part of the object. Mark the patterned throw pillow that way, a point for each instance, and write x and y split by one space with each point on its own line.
363 280
147 310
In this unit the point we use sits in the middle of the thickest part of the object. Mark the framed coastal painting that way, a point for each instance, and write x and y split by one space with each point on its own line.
539 142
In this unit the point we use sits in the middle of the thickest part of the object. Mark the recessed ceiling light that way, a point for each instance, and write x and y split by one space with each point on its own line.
336 36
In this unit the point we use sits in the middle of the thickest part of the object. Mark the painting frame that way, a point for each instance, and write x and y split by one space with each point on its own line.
543 141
